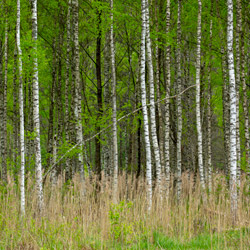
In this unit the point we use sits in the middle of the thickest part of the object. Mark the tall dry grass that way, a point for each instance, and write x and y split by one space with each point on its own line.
71 221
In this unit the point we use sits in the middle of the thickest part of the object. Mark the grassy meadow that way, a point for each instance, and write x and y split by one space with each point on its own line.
92 221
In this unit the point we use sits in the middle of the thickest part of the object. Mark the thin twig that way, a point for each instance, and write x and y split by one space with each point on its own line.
104 129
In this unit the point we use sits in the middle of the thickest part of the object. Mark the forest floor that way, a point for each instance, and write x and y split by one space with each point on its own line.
200 220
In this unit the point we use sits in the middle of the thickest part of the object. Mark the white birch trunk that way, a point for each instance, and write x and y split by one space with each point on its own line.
67 90
4 103
238 83
152 103
144 105
21 113
36 111
78 99
167 105
233 111
245 100
209 135
198 111
179 105
113 79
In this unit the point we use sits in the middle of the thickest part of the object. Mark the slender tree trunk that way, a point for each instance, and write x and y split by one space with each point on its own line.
209 135
1 107
233 111
78 99
152 102
115 146
167 102
21 113
226 111
107 147
4 103
36 111
179 105
238 82
68 169
198 111
99 101
245 100
144 105
15 114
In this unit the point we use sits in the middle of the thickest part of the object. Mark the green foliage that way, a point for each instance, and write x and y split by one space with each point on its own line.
121 228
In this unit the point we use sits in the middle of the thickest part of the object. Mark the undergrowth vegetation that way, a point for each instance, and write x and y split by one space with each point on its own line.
71 221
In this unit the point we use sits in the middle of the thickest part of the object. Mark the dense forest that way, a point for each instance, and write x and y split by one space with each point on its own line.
141 104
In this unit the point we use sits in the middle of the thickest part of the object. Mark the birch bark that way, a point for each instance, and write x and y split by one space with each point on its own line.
179 105
78 99
152 102
198 111
22 146
115 146
68 175
238 83
167 105
4 103
245 100
209 135
36 111
144 105
233 110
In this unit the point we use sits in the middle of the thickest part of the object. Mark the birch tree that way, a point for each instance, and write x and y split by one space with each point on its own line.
78 99
167 105
22 147
198 111
4 106
152 102
244 90
113 79
238 82
233 110
144 103
67 91
209 135
179 105
36 119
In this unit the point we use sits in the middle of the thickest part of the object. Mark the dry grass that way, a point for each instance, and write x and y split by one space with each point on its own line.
71 221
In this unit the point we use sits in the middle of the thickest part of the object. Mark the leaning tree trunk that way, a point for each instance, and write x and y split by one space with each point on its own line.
198 111
179 105
36 111
113 79
22 146
152 102
144 105
233 111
